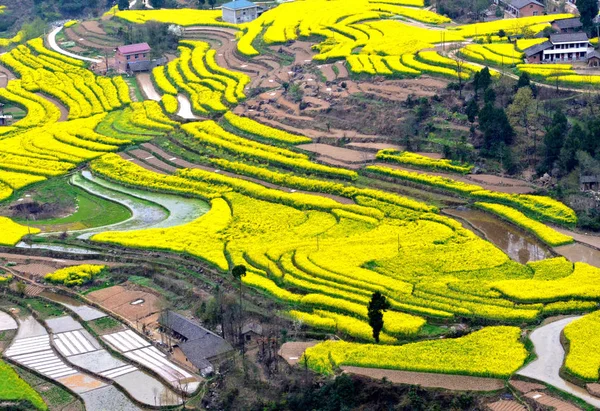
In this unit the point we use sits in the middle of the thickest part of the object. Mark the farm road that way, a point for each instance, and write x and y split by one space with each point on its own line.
551 354
54 46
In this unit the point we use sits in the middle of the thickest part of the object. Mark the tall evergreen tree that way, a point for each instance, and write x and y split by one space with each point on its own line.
568 153
375 309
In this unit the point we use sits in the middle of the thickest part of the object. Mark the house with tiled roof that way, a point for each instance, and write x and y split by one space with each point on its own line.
203 349
560 48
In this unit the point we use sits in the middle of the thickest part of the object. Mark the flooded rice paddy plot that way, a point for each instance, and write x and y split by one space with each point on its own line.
56 247
578 252
84 311
149 209
518 244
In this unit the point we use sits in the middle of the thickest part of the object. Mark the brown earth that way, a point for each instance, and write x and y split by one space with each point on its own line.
119 298
292 351
552 402
449 382
341 154
506 405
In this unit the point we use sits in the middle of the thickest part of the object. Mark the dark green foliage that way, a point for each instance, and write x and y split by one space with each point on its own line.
588 10
123 4
489 96
554 139
568 153
497 131
472 110
524 80
376 307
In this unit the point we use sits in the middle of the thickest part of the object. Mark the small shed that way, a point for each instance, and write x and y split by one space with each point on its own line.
251 333
239 11
202 348
593 59
133 57
589 183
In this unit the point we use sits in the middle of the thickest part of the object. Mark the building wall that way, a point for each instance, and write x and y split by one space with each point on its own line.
240 16
531 10
229 16
562 52
122 59
536 58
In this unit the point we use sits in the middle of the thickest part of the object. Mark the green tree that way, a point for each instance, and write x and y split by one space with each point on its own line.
524 80
588 10
568 153
554 140
501 33
123 4
212 3
497 131
157 4
375 309
472 110
201 4
489 96
485 78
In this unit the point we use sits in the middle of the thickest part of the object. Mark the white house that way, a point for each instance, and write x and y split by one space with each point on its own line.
564 47
239 11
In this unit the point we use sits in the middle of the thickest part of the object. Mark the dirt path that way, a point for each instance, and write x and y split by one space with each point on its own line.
550 358
54 46
148 89
64 112
185 108
344 155
430 380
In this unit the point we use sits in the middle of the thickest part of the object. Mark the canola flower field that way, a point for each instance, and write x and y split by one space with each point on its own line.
320 258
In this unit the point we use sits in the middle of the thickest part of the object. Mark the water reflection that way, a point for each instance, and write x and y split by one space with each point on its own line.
518 244
580 253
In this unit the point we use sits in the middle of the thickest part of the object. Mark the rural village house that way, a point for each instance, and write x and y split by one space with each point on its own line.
239 11
202 348
564 47
521 8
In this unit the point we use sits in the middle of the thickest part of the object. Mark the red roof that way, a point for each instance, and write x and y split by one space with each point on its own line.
134 48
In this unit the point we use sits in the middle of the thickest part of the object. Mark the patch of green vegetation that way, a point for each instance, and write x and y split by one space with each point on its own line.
335 69
430 330
133 84
44 309
91 211
105 323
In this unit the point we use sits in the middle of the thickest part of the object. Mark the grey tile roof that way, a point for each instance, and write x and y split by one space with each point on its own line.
252 327
519 4
571 23
201 344
568 37
593 54
537 48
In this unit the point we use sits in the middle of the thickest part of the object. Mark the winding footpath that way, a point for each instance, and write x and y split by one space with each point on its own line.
551 355
54 46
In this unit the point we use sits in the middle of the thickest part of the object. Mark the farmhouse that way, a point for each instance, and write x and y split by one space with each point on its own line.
133 57
202 348
239 11
521 8
567 25
564 47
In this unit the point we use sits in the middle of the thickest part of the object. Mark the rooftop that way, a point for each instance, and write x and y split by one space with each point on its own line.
537 48
134 48
519 4
238 5
201 343
568 37
571 23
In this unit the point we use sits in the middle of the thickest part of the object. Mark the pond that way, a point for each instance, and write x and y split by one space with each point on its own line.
518 244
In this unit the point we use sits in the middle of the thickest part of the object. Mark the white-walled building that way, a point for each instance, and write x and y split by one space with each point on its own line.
564 47
239 11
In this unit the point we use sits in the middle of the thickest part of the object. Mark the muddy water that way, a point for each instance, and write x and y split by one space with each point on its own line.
580 253
518 244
